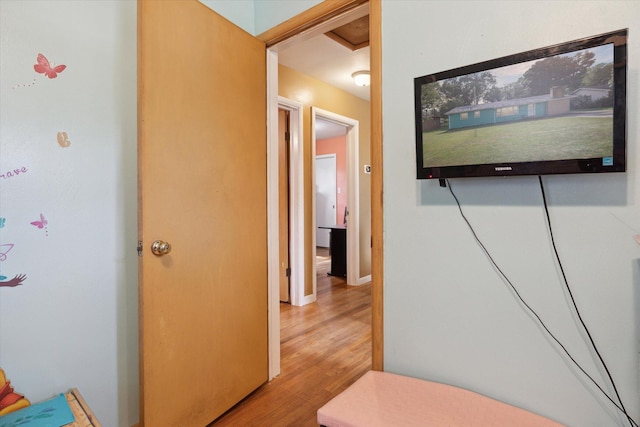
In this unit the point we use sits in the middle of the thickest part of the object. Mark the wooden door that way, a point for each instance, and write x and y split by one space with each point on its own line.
283 205
202 188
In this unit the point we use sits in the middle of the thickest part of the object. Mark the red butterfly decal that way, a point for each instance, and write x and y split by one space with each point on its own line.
40 224
43 67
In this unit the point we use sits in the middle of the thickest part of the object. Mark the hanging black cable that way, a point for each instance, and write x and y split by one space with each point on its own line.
534 313
575 306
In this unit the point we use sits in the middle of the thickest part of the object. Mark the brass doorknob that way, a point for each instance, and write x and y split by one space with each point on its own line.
160 248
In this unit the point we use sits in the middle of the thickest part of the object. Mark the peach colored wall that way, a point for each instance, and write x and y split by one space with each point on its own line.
337 146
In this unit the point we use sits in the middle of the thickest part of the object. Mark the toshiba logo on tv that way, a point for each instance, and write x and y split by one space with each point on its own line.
503 168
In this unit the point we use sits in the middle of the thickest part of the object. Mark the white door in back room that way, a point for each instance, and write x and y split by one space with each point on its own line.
325 197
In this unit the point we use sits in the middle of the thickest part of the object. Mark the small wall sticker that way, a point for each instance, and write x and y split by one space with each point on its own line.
12 283
42 224
4 250
2 222
44 67
33 82
13 172
63 140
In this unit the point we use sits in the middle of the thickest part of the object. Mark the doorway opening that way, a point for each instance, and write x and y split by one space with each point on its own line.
331 195
295 184
344 232
298 189
283 204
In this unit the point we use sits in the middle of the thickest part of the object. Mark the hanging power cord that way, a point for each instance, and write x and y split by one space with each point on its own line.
620 407
575 306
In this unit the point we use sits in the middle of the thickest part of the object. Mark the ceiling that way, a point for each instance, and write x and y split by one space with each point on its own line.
332 57
326 129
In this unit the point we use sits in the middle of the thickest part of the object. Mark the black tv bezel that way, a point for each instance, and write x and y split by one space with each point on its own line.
552 167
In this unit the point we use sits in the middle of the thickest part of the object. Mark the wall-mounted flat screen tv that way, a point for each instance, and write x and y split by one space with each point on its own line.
554 110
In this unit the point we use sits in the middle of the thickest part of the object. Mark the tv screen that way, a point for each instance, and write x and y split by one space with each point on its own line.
554 110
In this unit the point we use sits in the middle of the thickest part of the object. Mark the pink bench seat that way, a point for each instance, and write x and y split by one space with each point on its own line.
385 399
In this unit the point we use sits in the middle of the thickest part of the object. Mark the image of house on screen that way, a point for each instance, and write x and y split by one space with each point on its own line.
554 103
594 93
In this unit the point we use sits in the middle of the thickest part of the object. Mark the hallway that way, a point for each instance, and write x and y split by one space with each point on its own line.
325 347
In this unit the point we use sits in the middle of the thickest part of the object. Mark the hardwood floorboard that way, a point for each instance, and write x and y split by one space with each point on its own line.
325 346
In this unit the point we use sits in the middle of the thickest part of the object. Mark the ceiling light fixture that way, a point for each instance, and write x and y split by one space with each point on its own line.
362 78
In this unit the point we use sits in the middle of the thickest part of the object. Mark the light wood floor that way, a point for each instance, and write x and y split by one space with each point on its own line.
325 347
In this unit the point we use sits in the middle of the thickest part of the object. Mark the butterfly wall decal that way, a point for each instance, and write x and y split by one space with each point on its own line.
63 139
43 67
40 224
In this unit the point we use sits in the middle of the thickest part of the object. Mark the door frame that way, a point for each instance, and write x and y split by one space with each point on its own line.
296 202
296 27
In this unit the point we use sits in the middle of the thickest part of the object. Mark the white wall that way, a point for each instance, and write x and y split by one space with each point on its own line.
270 13
256 17
73 322
450 318
240 12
